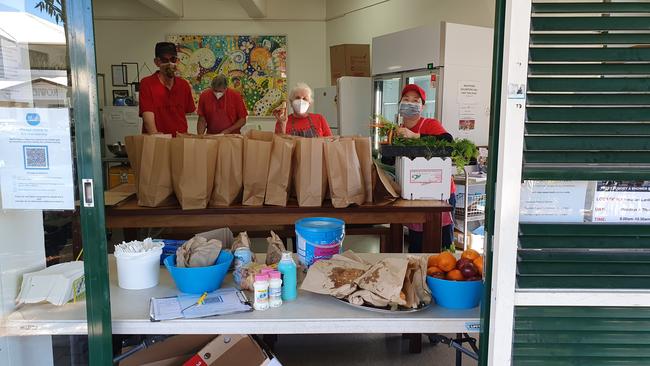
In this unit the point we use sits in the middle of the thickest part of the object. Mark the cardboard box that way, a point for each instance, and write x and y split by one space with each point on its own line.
240 350
173 351
204 350
118 175
422 179
349 60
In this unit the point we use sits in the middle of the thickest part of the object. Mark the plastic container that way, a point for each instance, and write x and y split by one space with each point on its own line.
319 238
289 271
261 292
170 248
275 289
197 280
137 271
456 294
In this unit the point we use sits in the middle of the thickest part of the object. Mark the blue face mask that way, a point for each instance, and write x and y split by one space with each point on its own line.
408 109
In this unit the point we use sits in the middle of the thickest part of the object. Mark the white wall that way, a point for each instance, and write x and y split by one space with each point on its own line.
358 21
133 40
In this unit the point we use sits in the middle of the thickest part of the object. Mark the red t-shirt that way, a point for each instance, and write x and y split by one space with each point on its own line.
428 126
168 105
431 126
301 124
223 112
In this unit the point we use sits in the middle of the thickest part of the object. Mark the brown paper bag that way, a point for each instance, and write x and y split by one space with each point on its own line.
274 249
257 154
386 279
364 153
193 167
228 177
279 177
385 189
335 277
309 173
344 173
155 180
134 153
414 288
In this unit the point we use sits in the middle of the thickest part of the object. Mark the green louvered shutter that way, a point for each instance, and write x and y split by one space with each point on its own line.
587 118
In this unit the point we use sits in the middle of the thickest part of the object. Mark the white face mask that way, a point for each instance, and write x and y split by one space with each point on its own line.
300 106
218 94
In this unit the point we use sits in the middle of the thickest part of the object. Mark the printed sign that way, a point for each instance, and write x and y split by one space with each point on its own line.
627 202
36 159
425 176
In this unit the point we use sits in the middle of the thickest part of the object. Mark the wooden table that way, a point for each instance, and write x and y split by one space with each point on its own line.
128 215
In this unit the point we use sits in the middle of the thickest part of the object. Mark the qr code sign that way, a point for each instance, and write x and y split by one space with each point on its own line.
35 157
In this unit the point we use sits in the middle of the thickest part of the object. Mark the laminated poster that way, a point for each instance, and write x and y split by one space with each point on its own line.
552 201
36 159
624 202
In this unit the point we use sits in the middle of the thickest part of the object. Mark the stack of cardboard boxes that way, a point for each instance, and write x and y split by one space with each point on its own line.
349 60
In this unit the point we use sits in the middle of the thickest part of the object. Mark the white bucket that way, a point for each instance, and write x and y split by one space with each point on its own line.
137 271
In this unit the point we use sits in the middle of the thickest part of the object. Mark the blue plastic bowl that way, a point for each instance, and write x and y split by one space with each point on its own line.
197 280
456 294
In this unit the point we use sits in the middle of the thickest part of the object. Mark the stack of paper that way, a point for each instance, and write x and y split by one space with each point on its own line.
57 284
220 302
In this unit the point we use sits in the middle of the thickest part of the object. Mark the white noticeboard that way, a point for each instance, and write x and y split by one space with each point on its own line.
36 159
553 201
621 202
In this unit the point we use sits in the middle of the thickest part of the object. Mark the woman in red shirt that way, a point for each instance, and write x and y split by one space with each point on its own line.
416 126
300 122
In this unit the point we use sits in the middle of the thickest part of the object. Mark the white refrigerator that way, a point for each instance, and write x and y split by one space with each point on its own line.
347 107
451 62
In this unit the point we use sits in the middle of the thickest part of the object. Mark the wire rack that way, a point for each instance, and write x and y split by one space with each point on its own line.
475 207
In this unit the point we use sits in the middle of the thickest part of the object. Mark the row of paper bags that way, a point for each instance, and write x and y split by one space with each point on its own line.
256 169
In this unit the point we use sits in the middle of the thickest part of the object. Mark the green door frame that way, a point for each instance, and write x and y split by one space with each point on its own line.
493 158
85 113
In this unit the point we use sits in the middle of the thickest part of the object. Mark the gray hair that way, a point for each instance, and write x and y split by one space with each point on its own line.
219 81
301 86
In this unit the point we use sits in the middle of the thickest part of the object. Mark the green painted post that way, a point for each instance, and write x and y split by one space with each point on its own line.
495 116
81 49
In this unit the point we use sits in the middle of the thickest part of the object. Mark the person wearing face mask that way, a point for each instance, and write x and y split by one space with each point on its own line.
416 126
165 99
221 109
300 122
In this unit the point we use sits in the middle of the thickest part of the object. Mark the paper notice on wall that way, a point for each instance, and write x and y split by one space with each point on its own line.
627 202
468 115
552 201
469 91
36 159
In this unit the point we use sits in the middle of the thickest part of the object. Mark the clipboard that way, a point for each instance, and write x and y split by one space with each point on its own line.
185 306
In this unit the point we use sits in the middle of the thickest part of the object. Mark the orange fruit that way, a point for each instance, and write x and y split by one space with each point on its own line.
478 263
433 260
446 261
434 271
470 254
454 275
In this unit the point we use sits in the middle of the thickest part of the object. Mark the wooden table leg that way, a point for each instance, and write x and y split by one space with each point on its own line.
396 243
432 236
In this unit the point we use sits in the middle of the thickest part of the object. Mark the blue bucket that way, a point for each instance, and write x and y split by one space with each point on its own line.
456 294
169 248
197 280
319 238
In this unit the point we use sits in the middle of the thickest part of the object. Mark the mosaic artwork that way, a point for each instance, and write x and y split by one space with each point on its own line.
256 66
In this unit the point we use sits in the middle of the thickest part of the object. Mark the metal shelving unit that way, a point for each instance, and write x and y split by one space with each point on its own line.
472 206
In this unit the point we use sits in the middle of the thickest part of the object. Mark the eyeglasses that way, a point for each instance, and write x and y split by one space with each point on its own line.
165 60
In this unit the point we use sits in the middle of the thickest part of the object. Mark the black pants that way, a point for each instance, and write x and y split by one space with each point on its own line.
415 237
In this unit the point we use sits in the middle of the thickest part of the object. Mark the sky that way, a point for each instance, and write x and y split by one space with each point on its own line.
25 6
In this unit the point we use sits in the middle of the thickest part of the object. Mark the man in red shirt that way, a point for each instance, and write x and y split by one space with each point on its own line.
221 109
164 97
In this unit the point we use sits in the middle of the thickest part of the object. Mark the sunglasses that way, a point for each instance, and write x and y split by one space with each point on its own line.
165 60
